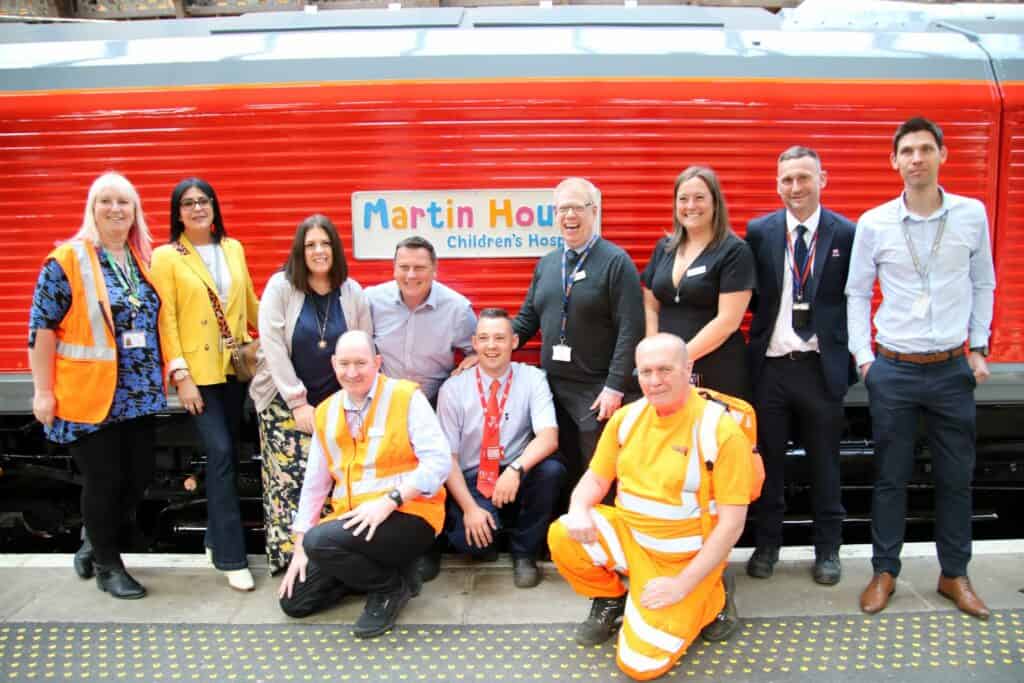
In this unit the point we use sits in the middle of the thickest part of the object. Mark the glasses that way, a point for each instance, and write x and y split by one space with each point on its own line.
197 203
578 209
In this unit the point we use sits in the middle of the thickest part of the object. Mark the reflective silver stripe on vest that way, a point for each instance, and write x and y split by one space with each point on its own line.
98 325
364 486
334 409
374 435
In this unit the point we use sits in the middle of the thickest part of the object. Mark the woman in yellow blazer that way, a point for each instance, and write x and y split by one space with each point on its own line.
200 258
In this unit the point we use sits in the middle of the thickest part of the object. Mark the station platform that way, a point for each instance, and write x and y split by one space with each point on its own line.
472 624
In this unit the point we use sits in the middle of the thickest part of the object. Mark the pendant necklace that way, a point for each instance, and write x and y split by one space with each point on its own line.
322 324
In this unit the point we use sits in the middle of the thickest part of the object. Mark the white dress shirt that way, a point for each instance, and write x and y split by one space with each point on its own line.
961 282
428 442
784 340
530 408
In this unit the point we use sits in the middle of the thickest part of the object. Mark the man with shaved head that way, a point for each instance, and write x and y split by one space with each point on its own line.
379 452
685 476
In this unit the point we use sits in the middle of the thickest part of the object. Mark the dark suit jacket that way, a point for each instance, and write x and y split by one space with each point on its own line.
766 236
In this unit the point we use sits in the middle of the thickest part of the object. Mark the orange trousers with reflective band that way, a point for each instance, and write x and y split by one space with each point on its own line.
650 641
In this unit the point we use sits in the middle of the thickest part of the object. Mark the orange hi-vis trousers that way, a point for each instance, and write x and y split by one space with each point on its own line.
651 641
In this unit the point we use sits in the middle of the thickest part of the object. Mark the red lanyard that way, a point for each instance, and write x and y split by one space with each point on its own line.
504 395
800 279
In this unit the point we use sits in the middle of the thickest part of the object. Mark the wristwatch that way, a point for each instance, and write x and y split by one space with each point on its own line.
517 467
396 496
983 350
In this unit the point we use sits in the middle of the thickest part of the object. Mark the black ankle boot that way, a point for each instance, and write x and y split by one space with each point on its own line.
83 562
118 582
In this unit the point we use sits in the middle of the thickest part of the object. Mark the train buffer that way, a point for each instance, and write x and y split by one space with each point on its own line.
471 624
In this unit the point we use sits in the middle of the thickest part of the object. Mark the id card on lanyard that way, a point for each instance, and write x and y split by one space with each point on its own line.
130 283
919 309
561 351
801 308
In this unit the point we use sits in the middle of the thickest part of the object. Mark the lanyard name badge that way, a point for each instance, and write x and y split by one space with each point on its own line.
801 308
919 309
129 281
491 450
561 351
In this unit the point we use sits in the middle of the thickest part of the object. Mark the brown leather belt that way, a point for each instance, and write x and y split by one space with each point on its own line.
922 358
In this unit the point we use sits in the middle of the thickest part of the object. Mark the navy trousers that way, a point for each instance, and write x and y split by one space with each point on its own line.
527 517
942 395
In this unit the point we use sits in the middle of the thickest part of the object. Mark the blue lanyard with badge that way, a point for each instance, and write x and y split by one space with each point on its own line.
129 281
919 309
561 351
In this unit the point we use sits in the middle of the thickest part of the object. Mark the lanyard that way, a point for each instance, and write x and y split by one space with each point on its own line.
800 279
567 283
504 395
922 272
129 280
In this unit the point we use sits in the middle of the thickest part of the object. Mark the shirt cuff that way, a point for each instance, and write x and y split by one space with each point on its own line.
178 363
865 355
614 392
977 339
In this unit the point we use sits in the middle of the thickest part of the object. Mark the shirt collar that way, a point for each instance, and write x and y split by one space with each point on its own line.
811 223
591 242
430 301
486 379
905 214
352 407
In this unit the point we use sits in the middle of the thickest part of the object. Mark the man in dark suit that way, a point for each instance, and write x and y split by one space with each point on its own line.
800 365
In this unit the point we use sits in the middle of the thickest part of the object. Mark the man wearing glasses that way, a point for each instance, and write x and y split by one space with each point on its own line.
585 298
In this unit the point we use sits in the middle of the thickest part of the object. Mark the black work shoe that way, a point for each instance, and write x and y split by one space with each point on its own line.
605 617
381 612
761 564
525 572
827 568
428 565
728 620
119 583
83 560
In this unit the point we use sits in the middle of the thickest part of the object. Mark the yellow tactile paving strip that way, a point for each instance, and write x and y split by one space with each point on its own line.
928 647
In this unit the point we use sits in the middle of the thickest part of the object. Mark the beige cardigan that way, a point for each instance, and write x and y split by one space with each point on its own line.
279 311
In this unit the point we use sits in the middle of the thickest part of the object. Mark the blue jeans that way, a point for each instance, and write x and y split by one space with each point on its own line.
218 426
900 393
528 516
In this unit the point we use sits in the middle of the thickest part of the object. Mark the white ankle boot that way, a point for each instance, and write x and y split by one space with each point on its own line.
240 579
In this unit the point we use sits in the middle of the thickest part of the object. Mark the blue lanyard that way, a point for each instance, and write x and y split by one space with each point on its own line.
567 283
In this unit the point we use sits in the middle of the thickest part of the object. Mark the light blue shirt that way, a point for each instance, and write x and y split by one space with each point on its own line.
420 345
425 435
961 282
529 409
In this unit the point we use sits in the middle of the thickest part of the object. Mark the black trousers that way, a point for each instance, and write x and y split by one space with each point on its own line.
117 464
900 394
793 392
340 563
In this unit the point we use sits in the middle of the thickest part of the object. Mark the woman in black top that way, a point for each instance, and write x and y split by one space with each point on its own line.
698 283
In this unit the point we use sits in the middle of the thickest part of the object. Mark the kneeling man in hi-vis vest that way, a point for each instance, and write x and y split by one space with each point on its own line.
379 452
685 477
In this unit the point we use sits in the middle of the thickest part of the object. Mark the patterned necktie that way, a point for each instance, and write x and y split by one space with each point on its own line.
490 445
571 256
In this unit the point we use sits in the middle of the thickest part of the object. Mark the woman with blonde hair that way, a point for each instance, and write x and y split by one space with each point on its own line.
205 286
305 308
97 369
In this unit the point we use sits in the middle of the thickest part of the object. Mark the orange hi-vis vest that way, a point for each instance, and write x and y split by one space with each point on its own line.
381 459
675 523
85 370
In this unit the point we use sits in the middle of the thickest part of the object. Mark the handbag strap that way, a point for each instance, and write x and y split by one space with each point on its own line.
218 312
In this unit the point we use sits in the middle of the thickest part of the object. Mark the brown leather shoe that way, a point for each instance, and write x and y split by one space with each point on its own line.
960 591
875 597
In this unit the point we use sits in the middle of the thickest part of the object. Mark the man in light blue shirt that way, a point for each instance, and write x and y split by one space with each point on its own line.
418 323
529 481
930 251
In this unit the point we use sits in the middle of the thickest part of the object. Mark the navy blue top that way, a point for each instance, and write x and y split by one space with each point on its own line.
313 364
140 388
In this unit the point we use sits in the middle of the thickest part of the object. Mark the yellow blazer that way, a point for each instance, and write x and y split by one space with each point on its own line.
189 333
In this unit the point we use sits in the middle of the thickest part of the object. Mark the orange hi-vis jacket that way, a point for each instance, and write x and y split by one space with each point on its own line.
665 508
85 370
369 467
